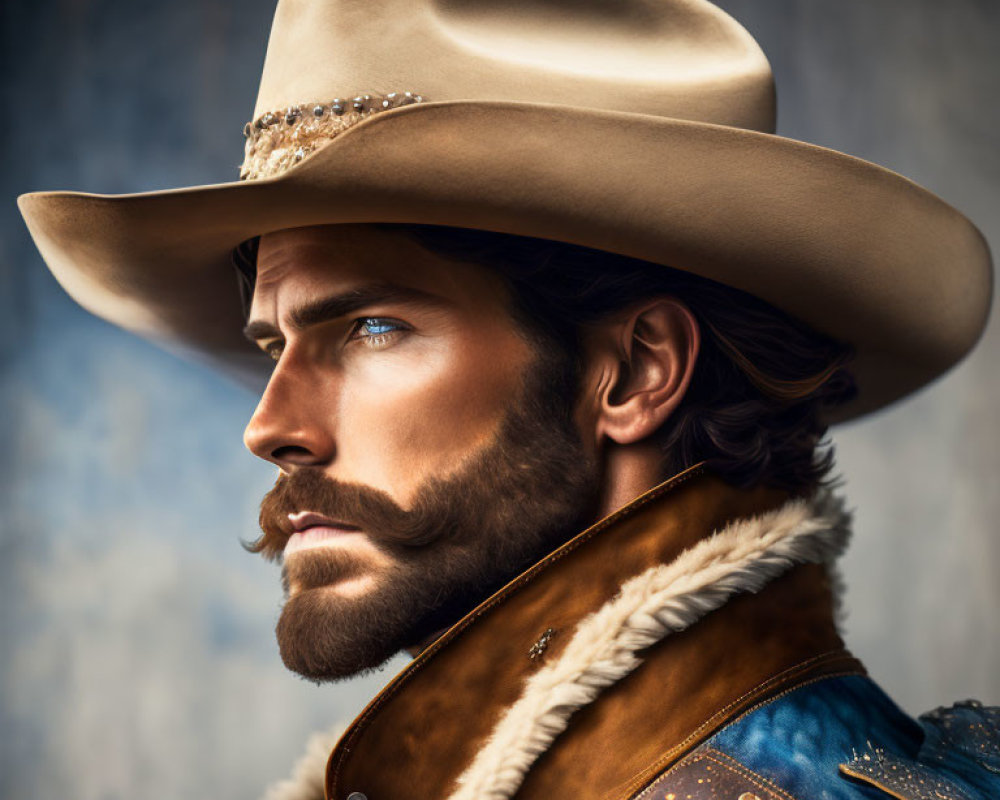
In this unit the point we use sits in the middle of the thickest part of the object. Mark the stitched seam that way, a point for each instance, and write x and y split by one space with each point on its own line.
688 761
351 735
775 680
831 656
739 768
871 781
645 776
791 689
727 762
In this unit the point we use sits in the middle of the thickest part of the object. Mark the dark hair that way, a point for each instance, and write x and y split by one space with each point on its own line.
763 380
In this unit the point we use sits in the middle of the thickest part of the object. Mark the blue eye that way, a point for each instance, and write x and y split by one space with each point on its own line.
378 332
377 326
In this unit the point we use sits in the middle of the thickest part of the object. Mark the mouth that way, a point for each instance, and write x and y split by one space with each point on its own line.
310 530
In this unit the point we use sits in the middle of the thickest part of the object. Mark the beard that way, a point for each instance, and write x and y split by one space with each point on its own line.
463 538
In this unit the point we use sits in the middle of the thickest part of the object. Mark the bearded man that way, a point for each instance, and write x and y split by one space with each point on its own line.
555 343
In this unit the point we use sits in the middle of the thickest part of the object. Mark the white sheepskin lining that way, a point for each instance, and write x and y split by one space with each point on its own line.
308 778
742 557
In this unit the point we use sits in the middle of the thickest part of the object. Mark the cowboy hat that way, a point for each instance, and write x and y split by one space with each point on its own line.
640 127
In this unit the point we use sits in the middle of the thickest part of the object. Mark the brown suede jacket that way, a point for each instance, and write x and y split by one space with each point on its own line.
683 648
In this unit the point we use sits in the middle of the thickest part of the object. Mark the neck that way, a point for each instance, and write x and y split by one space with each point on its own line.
629 471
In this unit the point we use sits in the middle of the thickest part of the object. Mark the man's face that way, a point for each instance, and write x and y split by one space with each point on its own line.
426 449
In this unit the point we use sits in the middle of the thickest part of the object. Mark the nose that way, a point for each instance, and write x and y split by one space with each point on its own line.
292 424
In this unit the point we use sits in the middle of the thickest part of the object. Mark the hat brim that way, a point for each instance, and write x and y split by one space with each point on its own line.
856 251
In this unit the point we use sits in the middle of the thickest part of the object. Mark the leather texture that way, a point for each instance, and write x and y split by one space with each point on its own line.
841 738
431 720
709 774
633 127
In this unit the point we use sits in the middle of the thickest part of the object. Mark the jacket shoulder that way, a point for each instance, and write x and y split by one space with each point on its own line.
842 738
958 758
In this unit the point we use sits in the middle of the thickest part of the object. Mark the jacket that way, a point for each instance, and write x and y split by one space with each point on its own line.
684 647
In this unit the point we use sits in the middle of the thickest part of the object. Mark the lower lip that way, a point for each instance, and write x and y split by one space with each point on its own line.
319 536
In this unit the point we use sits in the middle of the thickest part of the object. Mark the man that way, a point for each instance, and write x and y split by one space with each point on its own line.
469 443
584 492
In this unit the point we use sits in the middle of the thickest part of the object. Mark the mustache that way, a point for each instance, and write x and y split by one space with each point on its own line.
372 510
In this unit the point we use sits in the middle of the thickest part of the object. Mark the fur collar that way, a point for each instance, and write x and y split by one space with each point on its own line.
309 772
742 556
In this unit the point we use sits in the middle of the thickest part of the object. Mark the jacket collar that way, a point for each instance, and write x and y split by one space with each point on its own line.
504 701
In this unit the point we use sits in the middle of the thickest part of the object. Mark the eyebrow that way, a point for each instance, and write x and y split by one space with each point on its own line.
335 306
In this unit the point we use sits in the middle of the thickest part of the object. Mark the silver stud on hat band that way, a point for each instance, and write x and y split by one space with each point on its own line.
276 140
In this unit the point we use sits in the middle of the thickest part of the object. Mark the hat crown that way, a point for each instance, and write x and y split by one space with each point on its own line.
684 59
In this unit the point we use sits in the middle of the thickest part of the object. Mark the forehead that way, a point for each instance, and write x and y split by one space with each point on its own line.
296 264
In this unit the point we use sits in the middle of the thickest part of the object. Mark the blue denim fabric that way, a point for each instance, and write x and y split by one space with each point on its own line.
799 740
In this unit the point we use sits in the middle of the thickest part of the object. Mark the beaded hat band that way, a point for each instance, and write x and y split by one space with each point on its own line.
276 140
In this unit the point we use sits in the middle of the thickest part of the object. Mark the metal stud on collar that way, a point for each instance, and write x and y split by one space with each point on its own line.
539 647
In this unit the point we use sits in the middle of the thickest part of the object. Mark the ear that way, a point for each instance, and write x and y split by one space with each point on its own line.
641 366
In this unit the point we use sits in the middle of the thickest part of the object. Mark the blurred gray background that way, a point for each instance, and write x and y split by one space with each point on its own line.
138 658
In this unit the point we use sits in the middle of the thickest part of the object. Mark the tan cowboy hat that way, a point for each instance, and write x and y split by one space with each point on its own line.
640 127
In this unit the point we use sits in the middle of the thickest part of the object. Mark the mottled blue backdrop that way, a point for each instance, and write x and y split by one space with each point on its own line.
138 658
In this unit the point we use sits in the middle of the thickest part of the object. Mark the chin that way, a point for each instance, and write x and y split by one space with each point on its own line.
337 631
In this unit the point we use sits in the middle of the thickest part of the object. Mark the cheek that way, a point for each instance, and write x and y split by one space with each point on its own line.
413 412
